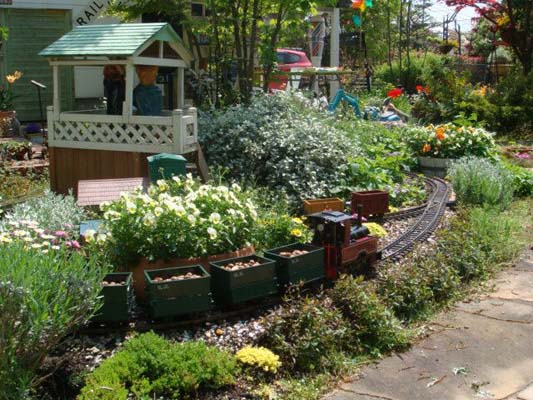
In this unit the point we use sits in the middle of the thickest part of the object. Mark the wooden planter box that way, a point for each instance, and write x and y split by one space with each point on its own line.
312 206
233 287
303 268
118 300
374 202
179 297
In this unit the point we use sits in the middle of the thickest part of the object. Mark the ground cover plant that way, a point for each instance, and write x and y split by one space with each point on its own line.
149 366
16 187
44 295
53 211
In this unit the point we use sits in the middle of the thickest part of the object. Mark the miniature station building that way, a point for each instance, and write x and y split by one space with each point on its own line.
114 142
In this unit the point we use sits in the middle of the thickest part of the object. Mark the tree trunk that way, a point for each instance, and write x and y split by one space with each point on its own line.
273 43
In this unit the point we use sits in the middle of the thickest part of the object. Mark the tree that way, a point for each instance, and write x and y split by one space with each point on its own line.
512 19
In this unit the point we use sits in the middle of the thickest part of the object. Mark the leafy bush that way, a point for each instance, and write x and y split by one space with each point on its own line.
480 239
43 297
14 186
180 218
476 181
308 334
450 141
275 227
259 357
522 179
513 100
276 142
54 212
373 325
149 366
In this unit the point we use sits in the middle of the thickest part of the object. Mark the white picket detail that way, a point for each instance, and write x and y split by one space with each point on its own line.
177 133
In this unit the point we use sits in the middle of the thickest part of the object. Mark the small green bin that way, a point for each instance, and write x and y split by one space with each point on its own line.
303 268
165 166
233 287
180 297
118 300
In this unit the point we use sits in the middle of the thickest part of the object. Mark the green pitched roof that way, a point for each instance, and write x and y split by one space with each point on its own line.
110 40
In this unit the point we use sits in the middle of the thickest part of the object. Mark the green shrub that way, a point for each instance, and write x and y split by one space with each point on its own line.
149 366
406 291
476 181
51 211
309 334
480 239
276 142
373 324
522 179
43 297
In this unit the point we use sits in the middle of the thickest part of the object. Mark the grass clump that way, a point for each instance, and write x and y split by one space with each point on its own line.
150 366
478 182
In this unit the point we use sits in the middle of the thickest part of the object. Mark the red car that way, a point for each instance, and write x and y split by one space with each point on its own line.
287 60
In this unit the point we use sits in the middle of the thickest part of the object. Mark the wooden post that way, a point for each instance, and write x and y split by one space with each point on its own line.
57 92
127 109
178 134
181 89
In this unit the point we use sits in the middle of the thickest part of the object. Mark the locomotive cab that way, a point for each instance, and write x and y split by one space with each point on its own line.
344 244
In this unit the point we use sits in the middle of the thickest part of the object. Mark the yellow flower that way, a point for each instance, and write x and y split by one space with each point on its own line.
15 77
297 220
296 232
259 357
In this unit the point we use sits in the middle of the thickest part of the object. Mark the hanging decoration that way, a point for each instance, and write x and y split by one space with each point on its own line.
356 20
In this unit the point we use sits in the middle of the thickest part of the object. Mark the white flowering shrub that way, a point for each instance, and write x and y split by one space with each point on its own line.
277 142
54 212
179 218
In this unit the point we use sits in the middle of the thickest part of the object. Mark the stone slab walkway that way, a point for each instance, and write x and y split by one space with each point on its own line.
482 349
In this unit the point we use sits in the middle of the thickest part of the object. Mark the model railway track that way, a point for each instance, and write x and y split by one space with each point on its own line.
424 226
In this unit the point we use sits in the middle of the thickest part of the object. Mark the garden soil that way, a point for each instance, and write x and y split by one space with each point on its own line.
480 349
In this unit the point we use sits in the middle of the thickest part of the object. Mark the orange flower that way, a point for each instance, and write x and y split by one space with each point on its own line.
440 133
15 77
426 148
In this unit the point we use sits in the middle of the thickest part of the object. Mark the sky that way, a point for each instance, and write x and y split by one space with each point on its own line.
440 10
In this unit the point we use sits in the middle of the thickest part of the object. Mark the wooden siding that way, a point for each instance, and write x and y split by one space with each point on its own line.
30 32
68 166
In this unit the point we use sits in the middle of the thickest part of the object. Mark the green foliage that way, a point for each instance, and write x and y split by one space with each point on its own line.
15 186
275 226
276 143
43 297
411 76
522 179
513 99
149 366
480 239
309 334
374 327
51 211
476 181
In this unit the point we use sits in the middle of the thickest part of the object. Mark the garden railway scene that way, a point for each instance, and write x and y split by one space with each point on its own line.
266 199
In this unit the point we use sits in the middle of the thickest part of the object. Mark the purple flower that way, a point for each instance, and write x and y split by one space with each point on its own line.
60 234
74 244
523 156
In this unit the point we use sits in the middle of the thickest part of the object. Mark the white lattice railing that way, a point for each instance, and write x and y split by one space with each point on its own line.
177 133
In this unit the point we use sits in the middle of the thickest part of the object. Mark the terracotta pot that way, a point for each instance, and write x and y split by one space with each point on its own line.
144 265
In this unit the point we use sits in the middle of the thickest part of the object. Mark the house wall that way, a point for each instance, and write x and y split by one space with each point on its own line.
34 25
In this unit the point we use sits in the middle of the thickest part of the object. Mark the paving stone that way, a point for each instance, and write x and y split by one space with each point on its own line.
526 394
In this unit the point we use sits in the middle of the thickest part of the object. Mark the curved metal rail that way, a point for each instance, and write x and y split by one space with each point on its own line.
424 226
